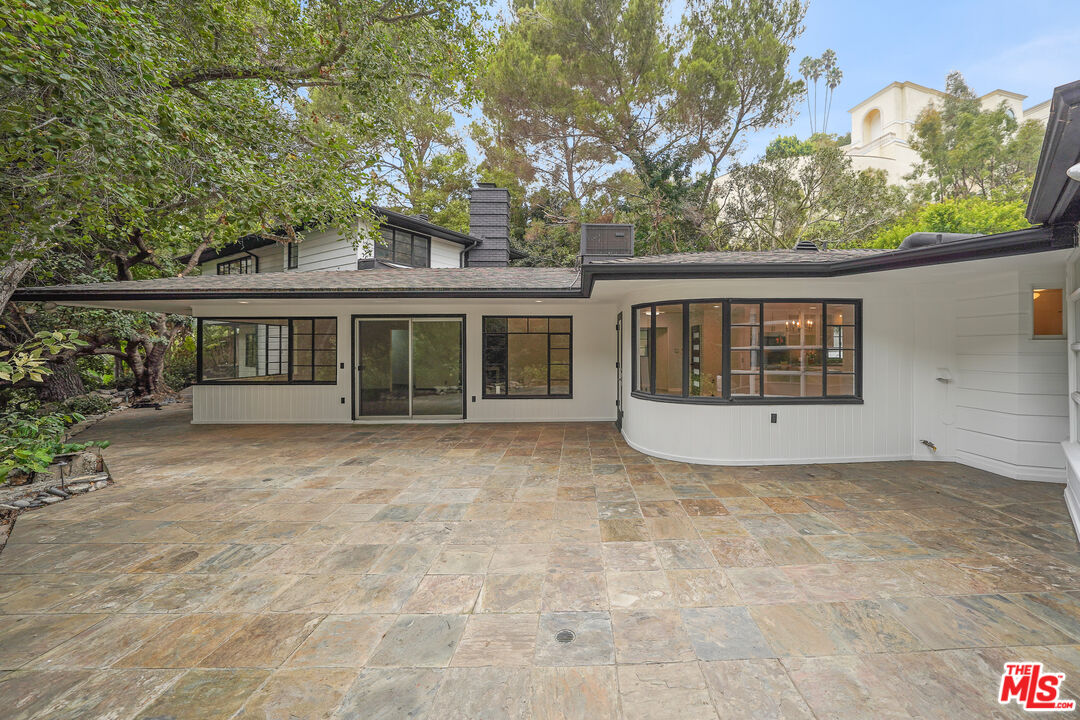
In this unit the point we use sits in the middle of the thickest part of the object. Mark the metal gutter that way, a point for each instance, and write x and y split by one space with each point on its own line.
1054 197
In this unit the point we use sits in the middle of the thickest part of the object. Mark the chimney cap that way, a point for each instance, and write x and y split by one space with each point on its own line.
486 185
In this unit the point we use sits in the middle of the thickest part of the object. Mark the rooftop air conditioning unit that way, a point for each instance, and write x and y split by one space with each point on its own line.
606 240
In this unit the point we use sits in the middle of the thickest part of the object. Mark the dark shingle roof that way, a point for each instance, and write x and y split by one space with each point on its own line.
765 257
413 281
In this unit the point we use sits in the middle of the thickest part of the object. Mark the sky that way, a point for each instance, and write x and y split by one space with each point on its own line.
1025 46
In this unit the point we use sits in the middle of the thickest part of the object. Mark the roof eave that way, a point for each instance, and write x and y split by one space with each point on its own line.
1054 197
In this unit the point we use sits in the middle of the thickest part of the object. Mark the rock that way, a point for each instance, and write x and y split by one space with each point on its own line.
21 503
100 484
78 487
50 499
5 506
57 492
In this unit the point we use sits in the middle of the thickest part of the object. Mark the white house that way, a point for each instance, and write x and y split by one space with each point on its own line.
943 349
883 124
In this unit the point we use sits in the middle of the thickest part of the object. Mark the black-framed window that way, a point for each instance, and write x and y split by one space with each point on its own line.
403 247
749 350
528 356
240 266
292 252
267 350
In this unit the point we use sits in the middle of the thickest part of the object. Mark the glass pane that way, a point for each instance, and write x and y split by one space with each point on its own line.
325 342
495 324
841 314
560 341
302 373
840 337
527 357
644 322
560 387
840 360
301 326
792 373
1047 311
437 368
517 325
788 384
560 372
745 385
244 350
301 357
326 326
560 356
841 384
707 350
669 350
326 374
384 367
744 314
538 325
302 341
325 357
792 324
745 337
560 325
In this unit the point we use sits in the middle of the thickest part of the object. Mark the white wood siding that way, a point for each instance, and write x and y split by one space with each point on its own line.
326 251
445 254
1011 388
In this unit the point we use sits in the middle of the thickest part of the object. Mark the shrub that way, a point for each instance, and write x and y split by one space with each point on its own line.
29 442
88 404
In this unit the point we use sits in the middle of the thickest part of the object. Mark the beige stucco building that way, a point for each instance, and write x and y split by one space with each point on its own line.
882 124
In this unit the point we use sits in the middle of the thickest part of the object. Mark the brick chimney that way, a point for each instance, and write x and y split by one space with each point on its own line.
489 219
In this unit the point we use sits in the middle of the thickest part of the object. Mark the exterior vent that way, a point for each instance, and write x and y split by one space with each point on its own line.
606 240
806 246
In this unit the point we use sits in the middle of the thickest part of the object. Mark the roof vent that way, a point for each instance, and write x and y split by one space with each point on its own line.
926 239
606 240
806 246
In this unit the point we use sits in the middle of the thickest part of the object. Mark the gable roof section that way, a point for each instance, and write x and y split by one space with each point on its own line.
1055 198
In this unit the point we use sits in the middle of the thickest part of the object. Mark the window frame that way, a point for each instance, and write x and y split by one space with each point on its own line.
200 380
484 364
1064 314
292 256
726 398
393 244
250 260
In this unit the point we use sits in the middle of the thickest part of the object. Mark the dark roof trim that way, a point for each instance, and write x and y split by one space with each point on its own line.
1054 197
43 294
1019 242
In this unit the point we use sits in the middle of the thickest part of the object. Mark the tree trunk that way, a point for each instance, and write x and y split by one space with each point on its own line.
63 383
147 368
10 276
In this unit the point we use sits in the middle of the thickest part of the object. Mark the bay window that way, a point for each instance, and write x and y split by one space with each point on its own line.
749 350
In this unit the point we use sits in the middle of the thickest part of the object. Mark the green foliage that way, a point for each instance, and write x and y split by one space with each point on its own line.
89 404
615 111
28 360
967 215
29 442
786 146
180 364
775 203
966 151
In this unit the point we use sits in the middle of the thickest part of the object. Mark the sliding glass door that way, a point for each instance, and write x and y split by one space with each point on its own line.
409 367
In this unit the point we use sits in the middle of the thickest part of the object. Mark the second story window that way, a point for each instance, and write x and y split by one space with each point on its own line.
293 251
403 248
240 266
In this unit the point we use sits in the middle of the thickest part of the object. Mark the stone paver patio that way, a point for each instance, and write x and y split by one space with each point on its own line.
425 571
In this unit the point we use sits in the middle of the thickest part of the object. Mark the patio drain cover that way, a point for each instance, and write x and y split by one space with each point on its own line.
565 636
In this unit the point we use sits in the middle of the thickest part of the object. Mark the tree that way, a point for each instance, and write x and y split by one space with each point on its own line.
773 204
135 132
594 88
967 151
786 146
953 215
812 70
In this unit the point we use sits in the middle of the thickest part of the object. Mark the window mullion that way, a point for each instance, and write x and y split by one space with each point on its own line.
726 350
761 349
686 349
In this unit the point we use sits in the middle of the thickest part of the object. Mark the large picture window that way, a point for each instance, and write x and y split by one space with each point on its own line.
528 357
403 248
267 350
749 350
